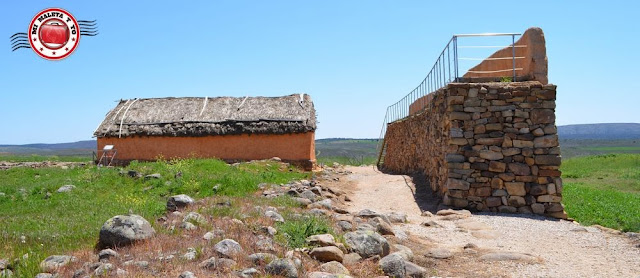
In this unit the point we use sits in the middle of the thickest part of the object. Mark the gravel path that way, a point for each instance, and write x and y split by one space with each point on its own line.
565 248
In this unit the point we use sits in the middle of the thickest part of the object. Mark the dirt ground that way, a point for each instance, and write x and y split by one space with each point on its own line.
535 246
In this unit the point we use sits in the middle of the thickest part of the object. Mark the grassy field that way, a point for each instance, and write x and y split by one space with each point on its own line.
604 190
346 151
584 147
40 158
34 219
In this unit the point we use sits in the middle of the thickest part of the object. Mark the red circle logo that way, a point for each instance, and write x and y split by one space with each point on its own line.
54 34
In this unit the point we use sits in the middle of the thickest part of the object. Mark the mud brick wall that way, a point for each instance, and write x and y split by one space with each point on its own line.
485 146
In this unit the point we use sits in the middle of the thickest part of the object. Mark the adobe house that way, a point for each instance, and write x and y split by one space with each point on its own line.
228 128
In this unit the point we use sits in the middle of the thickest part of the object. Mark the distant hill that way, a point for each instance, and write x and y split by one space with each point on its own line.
75 148
614 131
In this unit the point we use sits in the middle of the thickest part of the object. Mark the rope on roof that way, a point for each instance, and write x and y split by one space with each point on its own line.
301 100
123 115
204 106
112 119
242 103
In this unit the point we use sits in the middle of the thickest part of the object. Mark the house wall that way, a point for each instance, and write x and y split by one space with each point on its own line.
484 146
296 147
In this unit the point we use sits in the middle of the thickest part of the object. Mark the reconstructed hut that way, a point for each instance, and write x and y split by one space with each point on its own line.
228 128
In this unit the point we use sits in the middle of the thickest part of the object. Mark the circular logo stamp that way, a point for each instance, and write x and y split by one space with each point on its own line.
54 34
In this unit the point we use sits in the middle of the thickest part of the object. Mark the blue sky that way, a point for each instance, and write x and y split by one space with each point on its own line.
353 57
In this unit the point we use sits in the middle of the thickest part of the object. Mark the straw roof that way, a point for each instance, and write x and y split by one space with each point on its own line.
199 116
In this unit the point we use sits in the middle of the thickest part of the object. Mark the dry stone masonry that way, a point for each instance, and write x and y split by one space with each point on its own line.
485 146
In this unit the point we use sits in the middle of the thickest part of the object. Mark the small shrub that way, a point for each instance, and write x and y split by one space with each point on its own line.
294 232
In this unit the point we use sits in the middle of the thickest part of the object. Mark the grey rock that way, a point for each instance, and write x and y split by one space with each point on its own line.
366 227
188 226
104 270
228 248
275 216
187 274
282 267
194 218
178 202
351 258
265 244
302 201
439 253
107 254
262 258
382 227
397 217
404 251
432 224
66 188
42 275
153 176
309 195
214 263
53 262
414 270
367 213
508 256
334 268
393 266
367 243
249 272
4 264
345 226
123 230
190 255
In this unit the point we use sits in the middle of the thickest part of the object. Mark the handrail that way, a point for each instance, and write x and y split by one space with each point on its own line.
444 71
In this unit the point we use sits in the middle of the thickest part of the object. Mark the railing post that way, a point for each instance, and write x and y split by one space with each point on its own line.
455 57
513 52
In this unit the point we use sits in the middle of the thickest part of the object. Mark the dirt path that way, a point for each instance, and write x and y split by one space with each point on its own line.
542 247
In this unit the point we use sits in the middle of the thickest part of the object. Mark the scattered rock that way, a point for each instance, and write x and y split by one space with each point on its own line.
187 274
439 253
345 226
397 217
190 255
178 202
367 243
327 254
262 258
228 248
302 201
283 267
104 270
39 275
321 240
393 265
53 262
248 273
334 267
194 218
404 251
450 214
275 216
107 254
351 258
123 230
382 227
427 214
432 224
309 195
508 256
414 270
153 176
66 188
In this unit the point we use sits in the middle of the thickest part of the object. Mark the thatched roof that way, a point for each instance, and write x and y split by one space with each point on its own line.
199 116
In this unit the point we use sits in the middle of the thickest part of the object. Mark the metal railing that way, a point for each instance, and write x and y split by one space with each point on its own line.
445 70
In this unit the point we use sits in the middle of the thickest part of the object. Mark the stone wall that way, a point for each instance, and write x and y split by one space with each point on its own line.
484 146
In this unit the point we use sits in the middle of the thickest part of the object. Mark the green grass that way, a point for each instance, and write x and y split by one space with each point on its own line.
69 221
295 230
604 190
40 158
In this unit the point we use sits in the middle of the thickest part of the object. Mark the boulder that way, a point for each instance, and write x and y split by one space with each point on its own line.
283 267
107 254
393 266
334 268
187 274
414 270
321 240
397 217
382 227
227 248
178 202
123 230
262 258
367 243
275 216
327 254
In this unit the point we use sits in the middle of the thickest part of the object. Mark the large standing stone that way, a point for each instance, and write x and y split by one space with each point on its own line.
367 243
123 230
178 202
53 262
